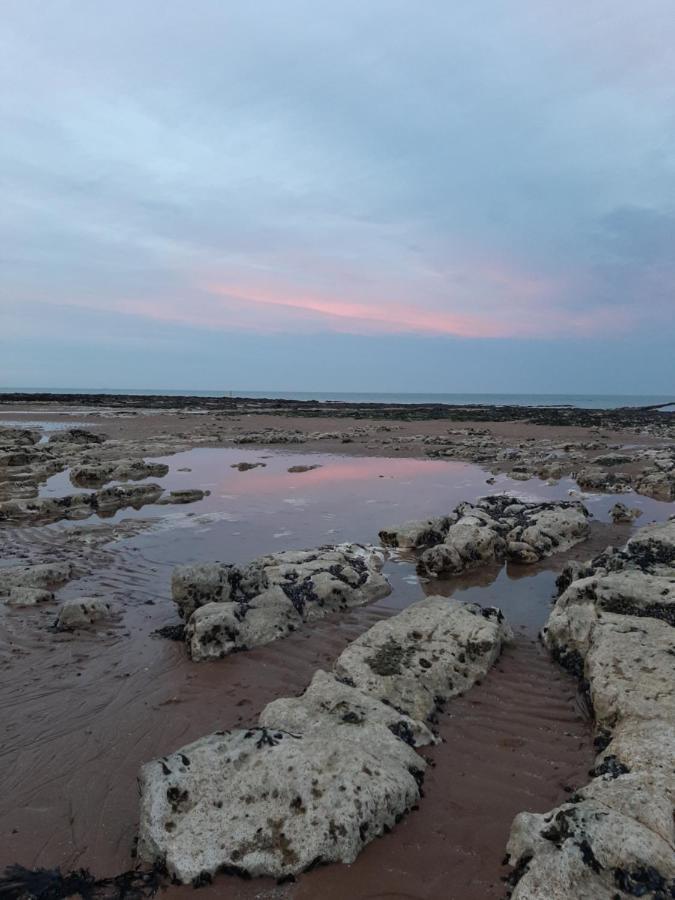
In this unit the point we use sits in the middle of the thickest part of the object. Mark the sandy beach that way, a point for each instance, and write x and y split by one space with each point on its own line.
84 709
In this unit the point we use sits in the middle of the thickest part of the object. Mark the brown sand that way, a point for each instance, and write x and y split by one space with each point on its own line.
82 712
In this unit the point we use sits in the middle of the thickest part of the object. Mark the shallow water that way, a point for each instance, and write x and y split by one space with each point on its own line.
267 509
83 711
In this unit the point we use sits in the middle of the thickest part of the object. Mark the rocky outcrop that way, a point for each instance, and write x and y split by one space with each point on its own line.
659 485
76 436
422 533
621 513
332 700
418 660
230 608
491 530
602 481
98 474
188 495
321 775
30 585
612 626
83 611
105 502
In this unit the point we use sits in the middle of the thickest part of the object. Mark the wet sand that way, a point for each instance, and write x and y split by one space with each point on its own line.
83 711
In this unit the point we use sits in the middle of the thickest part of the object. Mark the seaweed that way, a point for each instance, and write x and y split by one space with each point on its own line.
20 883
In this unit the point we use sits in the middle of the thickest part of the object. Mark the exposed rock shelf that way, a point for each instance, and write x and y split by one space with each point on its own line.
324 774
613 627
230 608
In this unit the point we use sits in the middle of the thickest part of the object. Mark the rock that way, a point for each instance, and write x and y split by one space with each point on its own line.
26 596
653 547
659 485
120 496
261 802
46 509
417 534
76 436
433 650
621 513
83 611
612 626
521 552
322 774
491 530
612 459
41 575
329 700
579 608
644 745
605 482
216 629
189 495
77 506
630 665
243 606
589 851
443 559
95 475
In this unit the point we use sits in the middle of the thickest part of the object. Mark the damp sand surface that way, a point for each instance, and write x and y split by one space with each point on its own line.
82 712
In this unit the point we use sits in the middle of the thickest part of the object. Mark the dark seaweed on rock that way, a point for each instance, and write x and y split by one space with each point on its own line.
19 883
171 632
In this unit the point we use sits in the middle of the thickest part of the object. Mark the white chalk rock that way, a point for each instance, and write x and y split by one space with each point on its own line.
433 650
329 700
587 851
630 665
266 802
421 533
629 592
642 745
217 629
83 611
272 595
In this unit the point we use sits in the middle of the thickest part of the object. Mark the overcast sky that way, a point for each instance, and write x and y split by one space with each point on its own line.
355 195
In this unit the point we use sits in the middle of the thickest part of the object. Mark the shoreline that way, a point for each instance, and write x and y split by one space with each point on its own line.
620 417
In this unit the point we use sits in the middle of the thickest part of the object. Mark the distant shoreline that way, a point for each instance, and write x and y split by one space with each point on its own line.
562 414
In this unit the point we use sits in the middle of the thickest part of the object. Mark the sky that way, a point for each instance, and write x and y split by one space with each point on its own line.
382 195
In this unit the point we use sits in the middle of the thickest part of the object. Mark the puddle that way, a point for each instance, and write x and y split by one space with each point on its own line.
266 509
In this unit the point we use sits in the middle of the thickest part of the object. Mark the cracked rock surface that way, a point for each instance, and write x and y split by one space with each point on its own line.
230 607
491 530
612 626
323 774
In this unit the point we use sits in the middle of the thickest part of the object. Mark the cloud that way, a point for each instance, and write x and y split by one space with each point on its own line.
478 169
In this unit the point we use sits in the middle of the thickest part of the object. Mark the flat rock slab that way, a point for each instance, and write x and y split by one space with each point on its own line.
82 611
612 626
266 802
96 474
331 700
324 773
432 651
232 608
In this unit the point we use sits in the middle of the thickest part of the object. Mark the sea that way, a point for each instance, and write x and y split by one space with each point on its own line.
582 401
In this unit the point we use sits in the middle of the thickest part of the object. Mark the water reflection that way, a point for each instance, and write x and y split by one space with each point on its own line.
263 510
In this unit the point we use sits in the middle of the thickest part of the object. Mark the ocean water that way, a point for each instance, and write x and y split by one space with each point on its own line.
583 401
